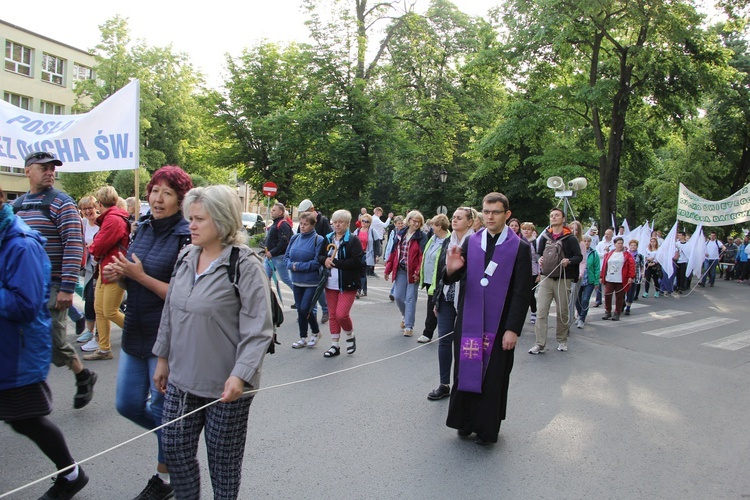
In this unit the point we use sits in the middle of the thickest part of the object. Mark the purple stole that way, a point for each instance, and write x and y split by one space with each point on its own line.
480 323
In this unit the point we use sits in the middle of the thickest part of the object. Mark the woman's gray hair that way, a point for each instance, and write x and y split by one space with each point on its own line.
224 207
342 215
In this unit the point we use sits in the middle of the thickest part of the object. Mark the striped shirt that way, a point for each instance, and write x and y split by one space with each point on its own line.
64 236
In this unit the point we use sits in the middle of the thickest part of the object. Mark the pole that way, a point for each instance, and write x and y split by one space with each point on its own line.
137 199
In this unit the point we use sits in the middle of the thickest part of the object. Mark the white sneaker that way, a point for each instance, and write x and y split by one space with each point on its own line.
579 323
91 345
537 349
313 341
302 342
423 339
562 346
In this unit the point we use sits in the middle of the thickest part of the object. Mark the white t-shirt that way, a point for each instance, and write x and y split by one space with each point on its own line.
713 249
614 267
89 231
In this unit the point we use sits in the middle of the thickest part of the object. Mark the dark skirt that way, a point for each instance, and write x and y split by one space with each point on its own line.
29 401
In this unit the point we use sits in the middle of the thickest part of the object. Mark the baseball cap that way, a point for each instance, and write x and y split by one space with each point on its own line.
41 157
305 205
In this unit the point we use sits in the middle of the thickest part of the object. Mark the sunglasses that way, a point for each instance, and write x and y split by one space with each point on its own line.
42 155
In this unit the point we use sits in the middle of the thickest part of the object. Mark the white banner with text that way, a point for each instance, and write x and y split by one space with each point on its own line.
696 210
105 138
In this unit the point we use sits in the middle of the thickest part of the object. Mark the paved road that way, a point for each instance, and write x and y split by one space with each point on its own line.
654 406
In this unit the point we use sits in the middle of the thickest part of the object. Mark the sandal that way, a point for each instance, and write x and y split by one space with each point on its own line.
351 345
332 351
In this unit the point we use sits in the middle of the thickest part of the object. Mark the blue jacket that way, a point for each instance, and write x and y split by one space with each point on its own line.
25 323
157 243
302 253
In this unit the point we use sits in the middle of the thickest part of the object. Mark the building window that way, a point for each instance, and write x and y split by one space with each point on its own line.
17 58
50 108
11 170
82 72
53 69
21 101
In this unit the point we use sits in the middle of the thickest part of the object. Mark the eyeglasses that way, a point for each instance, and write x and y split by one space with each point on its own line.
87 209
365 222
492 212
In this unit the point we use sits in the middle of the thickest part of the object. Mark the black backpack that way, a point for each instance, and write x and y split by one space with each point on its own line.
233 274
43 206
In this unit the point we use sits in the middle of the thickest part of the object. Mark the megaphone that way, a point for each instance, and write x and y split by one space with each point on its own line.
556 183
578 183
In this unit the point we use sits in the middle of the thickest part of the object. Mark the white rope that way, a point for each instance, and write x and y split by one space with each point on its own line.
254 391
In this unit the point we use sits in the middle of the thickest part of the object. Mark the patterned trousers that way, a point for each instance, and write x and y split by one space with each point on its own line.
225 427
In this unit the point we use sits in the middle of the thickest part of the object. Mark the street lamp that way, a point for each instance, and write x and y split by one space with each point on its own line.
443 178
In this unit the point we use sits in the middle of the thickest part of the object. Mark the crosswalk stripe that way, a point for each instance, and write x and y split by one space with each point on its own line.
688 328
731 343
651 316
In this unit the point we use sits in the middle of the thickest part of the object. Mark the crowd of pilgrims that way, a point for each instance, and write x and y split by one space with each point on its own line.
166 271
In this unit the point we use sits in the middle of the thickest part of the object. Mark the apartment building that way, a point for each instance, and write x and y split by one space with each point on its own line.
40 74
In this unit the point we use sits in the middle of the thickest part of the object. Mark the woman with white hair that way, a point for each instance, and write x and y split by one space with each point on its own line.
341 254
214 333
404 265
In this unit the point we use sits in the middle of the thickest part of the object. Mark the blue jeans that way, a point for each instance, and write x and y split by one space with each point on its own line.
711 274
446 324
281 271
303 298
135 383
583 302
405 294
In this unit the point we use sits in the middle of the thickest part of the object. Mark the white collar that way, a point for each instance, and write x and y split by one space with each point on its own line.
500 239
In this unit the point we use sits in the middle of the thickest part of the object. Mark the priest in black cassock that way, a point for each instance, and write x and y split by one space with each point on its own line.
494 268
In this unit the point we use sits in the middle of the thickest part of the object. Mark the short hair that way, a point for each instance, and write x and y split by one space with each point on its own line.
86 201
441 220
307 217
633 241
496 197
681 233
107 196
223 205
121 203
415 214
529 226
130 201
280 205
174 177
341 215
366 217
557 209
398 218
618 238
377 208
587 237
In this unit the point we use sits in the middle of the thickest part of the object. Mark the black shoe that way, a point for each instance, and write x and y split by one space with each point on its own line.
443 391
702 284
294 306
80 326
480 441
391 297
464 433
85 389
156 489
627 312
64 489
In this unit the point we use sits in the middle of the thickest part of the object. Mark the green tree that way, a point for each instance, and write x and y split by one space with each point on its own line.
169 126
592 62
78 185
124 183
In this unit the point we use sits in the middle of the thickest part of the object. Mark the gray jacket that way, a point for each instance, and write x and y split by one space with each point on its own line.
206 332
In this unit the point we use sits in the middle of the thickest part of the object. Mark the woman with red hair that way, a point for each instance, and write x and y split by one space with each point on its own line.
145 272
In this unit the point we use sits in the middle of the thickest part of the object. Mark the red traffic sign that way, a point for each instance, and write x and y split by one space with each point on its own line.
270 188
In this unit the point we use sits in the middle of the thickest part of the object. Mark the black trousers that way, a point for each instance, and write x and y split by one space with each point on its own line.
430 321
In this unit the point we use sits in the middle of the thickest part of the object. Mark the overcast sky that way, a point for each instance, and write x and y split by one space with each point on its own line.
206 33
